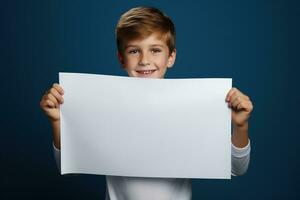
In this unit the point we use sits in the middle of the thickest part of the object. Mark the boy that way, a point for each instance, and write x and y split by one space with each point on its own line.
146 48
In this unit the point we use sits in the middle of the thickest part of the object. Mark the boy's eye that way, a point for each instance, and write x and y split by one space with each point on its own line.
155 50
133 51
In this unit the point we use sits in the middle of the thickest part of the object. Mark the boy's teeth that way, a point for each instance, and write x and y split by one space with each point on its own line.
146 71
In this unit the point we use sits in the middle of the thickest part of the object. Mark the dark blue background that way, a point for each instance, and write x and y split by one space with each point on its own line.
254 42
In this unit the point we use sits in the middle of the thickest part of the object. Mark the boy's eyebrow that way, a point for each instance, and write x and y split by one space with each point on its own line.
160 45
152 45
127 46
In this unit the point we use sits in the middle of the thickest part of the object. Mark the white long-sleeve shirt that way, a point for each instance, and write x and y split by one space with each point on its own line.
139 188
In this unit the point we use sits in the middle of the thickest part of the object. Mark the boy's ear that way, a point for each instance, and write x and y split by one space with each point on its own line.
171 59
121 59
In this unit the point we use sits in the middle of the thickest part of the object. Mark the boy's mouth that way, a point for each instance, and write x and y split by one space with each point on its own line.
145 72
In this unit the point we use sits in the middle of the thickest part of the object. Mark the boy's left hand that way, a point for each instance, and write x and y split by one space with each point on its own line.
241 106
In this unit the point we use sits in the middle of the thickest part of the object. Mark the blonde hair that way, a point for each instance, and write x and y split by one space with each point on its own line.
140 22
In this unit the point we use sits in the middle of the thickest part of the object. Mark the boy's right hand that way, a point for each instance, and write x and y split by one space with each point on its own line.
50 102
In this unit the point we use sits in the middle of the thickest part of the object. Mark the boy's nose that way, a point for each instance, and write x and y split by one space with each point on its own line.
144 60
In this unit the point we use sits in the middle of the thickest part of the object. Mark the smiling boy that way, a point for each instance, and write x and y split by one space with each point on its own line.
146 48
147 58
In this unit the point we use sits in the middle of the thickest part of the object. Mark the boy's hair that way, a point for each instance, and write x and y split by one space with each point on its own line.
140 22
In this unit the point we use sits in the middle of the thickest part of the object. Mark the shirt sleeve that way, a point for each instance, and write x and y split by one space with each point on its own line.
57 157
240 159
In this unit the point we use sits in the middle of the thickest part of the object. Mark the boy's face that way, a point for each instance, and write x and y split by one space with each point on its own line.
147 58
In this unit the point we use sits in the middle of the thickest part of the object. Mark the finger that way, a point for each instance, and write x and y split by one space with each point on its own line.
49 104
238 95
244 105
230 93
246 97
248 106
52 98
235 102
236 99
58 88
56 94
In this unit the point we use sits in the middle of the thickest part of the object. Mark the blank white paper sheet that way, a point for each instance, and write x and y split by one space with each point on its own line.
139 127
